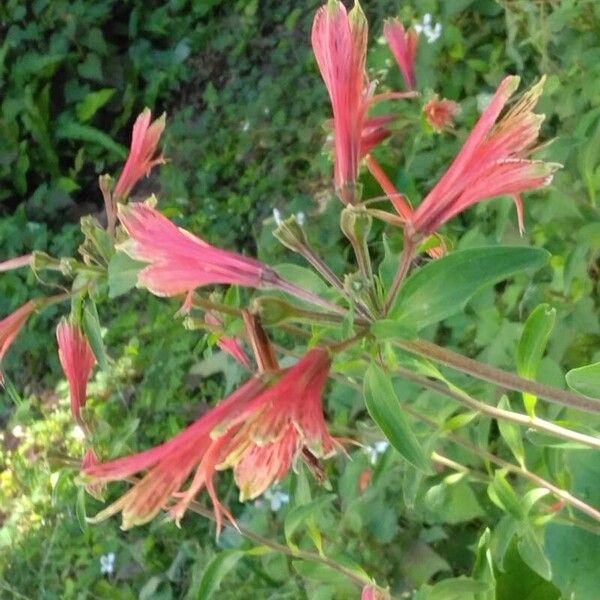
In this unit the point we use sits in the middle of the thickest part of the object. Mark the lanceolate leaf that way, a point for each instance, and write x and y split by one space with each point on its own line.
511 433
444 286
216 569
386 410
92 329
532 346
585 380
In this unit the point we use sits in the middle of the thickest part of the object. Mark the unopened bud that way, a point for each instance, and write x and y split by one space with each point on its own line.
355 222
290 233
273 310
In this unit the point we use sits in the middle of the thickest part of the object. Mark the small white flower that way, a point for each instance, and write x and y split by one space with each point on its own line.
277 217
301 218
107 563
375 450
18 431
276 498
78 433
246 126
432 34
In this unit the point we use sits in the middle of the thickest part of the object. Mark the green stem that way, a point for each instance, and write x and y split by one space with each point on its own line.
401 273
499 413
558 492
497 376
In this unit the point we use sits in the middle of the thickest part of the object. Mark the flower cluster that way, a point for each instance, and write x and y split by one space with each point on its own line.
276 418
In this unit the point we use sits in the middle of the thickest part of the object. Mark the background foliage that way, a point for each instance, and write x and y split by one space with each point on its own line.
245 111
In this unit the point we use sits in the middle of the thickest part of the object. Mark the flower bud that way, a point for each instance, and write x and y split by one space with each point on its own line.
355 222
273 310
291 234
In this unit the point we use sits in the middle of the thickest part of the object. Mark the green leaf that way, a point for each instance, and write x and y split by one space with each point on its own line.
503 496
573 554
385 409
532 345
216 569
511 433
585 380
458 588
532 553
93 332
304 514
92 103
122 274
443 287
483 570
85 133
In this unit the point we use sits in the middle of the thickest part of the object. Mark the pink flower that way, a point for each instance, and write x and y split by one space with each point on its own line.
403 44
144 141
228 344
77 360
339 41
492 162
371 592
259 431
11 326
179 261
440 113
89 461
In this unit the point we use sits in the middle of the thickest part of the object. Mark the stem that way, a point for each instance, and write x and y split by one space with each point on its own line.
497 376
401 273
300 554
321 267
290 288
499 413
558 492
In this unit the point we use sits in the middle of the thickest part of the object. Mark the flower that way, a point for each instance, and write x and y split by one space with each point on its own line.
144 140
403 43
77 360
372 592
228 344
11 326
339 41
493 161
180 261
276 499
259 431
432 34
107 563
440 113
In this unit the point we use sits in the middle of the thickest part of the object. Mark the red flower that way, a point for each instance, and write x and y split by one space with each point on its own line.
179 261
228 344
259 431
11 326
141 159
77 360
339 41
403 44
492 162
371 592
440 113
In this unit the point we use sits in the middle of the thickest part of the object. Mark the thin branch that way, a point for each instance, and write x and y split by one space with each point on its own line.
499 377
499 413
558 492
